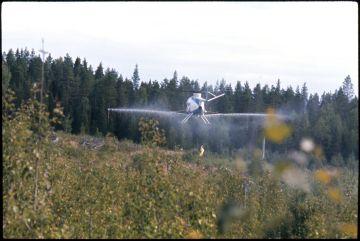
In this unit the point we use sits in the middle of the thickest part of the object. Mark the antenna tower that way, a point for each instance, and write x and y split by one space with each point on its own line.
42 69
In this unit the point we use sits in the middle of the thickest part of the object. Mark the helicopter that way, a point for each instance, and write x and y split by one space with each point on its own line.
195 107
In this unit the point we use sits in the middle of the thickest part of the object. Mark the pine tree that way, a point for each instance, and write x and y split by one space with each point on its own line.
341 103
184 85
142 96
136 78
195 86
238 97
246 100
298 100
313 108
79 99
154 92
86 80
57 75
304 97
35 67
353 126
99 73
66 81
348 88
120 92
175 79
328 131
19 81
225 104
171 90
289 98
258 99
6 76
10 60
129 92
266 96
276 95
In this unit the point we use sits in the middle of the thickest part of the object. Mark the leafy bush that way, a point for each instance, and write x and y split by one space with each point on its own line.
150 132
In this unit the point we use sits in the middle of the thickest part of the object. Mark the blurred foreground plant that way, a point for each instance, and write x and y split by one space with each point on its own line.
26 168
150 132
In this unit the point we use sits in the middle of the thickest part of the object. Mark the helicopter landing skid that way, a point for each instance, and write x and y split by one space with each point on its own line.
187 118
203 117
206 121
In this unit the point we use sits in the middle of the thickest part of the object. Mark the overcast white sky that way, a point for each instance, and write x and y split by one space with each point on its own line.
297 42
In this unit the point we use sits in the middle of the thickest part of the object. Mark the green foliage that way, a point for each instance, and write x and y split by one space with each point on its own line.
136 78
125 190
348 88
5 77
65 189
150 133
85 96
27 187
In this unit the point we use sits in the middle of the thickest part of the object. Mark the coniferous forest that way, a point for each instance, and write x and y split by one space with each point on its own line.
85 93
71 169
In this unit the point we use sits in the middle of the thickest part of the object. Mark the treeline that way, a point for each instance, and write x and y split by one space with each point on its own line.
85 94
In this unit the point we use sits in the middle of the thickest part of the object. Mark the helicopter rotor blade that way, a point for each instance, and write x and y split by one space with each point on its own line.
218 96
212 94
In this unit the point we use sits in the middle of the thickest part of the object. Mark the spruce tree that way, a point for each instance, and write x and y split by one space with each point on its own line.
304 97
246 100
348 88
99 73
6 76
238 97
258 99
298 101
136 78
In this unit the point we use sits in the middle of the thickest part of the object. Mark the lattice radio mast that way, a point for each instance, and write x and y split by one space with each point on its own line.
42 69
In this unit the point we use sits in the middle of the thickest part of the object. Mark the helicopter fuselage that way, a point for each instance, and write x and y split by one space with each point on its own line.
195 104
